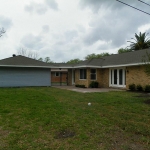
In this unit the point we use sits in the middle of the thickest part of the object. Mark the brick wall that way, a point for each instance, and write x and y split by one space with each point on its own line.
102 76
56 79
106 77
69 76
136 75
78 80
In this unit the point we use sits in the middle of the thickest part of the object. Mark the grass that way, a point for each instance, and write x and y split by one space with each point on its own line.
48 118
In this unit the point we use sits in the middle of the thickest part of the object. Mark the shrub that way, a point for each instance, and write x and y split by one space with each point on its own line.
132 87
81 86
139 87
93 84
147 88
77 85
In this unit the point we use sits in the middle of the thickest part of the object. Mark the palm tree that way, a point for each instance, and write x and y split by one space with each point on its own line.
141 42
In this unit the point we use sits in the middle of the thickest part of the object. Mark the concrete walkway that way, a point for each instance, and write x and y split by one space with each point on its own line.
87 90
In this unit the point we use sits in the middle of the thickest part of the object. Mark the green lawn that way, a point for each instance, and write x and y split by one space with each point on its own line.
49 118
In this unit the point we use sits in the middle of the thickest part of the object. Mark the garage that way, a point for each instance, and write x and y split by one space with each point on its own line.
17 77
20 71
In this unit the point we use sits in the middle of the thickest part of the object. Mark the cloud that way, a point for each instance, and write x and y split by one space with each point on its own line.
96 5
63 46
52 4
41 8
36 7
32 42
66 52
70 29
45 29
5 22
70 35
29 8
116 25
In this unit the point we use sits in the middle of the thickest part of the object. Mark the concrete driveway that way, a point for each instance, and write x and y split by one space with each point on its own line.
87 90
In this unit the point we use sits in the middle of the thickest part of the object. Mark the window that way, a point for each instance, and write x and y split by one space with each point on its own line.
82 73
57 74
93 74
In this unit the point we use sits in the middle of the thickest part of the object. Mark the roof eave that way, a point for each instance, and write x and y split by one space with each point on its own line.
123 65
25 66
87 66
75 67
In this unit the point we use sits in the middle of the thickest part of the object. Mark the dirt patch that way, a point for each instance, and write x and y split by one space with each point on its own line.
119 140
147 101
3 135
64 134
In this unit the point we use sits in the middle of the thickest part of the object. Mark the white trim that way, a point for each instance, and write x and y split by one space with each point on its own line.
123 77
87 66
112 66
84 66
62 67
124 65
26 66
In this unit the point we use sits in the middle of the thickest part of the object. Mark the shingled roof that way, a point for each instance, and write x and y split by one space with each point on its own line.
129 58
124 59
63 65
96 62
22 61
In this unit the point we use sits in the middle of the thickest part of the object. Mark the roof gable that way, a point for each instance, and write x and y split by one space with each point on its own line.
22 61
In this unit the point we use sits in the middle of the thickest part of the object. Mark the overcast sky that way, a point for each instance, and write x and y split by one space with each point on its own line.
69 29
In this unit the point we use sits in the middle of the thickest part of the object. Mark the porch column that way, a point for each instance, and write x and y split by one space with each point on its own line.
69 76
88 77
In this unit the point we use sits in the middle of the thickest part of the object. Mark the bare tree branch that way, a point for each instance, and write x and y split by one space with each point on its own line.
2 31
27 53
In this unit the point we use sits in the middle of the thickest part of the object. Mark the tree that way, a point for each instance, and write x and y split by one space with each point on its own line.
48 60
2 31
91 56
124 50
74 61
33 54
140 42
27 53
40 59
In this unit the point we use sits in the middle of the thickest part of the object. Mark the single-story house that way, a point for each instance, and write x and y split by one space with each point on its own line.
117 70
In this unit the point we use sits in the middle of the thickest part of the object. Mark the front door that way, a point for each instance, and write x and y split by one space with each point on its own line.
117 77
